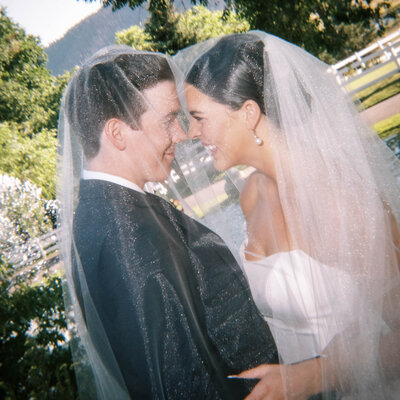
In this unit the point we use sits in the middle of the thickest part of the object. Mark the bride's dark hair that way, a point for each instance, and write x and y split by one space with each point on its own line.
232 71
109 89
237 69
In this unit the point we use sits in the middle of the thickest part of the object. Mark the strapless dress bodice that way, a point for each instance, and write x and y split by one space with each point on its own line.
305 302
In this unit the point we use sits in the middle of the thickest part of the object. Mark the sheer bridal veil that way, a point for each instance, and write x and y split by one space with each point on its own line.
339 191
146 285
104 86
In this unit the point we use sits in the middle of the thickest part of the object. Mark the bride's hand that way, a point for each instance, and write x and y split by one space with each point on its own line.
284 382
270 386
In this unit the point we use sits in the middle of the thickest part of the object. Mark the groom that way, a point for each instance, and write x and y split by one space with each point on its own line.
175 307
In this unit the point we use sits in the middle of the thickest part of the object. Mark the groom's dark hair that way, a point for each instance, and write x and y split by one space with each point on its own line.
109 89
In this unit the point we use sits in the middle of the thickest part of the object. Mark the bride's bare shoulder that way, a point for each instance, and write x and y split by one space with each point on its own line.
258 188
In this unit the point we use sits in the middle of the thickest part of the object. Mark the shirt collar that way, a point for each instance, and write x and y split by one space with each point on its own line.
102 176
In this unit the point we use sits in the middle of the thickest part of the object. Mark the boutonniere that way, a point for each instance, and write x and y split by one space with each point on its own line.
176 204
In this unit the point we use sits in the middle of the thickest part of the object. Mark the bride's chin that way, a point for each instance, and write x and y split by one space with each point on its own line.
221 167
222 164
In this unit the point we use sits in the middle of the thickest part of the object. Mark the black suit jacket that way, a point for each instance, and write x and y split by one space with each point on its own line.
175 306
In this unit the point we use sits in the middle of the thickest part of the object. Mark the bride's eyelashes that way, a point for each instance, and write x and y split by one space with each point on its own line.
198 116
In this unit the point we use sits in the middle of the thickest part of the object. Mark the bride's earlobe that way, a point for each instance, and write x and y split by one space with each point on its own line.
252 113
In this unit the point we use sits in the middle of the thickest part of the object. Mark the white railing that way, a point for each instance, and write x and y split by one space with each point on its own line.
373 57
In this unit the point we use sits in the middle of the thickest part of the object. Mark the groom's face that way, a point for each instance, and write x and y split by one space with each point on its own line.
153 145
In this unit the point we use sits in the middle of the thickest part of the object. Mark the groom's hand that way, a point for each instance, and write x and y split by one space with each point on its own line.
285 382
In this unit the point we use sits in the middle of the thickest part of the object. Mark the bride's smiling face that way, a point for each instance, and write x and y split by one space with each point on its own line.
220 129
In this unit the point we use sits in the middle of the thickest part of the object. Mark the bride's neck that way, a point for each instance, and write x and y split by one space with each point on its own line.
262 157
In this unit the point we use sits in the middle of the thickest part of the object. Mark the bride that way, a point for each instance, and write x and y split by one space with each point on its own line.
322 212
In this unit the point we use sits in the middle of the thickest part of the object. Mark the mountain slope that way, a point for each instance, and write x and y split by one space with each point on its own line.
91 34
98 30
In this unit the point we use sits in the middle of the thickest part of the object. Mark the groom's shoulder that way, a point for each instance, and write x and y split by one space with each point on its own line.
171 212
106 204
110 197
146 211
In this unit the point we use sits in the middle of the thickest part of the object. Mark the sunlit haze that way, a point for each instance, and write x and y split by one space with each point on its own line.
48 19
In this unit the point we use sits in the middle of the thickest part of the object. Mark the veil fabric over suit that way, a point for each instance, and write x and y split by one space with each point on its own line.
335 293
157 304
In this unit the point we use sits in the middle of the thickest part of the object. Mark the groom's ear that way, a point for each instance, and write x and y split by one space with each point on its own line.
251 113
115 133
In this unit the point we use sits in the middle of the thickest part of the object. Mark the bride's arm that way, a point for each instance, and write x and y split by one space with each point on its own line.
390 343
302 380
332 371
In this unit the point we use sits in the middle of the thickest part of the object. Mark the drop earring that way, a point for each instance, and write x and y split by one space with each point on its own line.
258 140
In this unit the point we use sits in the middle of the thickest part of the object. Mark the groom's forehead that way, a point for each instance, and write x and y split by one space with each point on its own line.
162 98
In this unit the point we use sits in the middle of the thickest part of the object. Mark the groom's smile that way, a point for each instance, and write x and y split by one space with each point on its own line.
160 131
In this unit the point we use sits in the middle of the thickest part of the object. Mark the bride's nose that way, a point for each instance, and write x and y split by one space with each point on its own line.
194 132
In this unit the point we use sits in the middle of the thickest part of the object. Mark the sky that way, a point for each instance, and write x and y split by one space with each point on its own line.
48 19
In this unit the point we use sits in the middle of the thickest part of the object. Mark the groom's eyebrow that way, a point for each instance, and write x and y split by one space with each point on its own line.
172 114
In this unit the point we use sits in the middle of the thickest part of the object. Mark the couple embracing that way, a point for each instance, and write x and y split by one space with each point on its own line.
162 307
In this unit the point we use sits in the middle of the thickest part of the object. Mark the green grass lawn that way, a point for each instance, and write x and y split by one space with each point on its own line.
379 91
388 127
367 77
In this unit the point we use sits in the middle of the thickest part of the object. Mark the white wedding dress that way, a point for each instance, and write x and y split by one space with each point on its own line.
291 291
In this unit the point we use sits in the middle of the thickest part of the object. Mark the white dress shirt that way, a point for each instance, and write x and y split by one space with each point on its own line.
102 176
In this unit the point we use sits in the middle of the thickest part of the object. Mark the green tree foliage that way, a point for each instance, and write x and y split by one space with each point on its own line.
330 29
136 37
162 25
29 105
153 4
29 157
35 358
193 26
28 92
199 24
